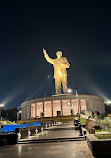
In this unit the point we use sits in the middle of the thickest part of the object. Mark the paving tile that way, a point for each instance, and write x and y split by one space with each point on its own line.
69 149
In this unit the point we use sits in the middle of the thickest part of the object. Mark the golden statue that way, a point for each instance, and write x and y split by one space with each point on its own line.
60 74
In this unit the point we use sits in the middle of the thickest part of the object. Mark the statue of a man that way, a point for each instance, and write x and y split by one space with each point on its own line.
60 65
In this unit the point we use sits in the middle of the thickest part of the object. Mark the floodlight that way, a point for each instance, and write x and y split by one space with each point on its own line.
1 105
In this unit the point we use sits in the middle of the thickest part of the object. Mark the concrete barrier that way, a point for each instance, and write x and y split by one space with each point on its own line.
99 147
3 142
8 139
30 131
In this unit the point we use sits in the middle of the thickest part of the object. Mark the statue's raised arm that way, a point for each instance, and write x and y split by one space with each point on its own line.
51 61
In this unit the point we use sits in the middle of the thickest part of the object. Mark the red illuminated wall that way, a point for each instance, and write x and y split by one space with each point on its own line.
33 110
39 108
83 104
66 107
56 107
74 102
47 109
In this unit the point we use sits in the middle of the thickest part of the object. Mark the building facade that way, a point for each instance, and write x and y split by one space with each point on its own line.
60 105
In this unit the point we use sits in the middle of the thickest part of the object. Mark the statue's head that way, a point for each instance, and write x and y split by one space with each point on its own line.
59 54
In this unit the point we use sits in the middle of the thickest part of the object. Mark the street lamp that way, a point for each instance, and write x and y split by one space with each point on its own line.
70 91
1 106
79 123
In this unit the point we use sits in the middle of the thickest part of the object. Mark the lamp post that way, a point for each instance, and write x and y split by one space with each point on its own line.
1 105
77 100
79 109
70 91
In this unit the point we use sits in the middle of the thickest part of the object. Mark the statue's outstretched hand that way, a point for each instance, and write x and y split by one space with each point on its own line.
47 57
44 51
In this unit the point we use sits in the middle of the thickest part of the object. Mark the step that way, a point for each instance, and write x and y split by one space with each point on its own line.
51 140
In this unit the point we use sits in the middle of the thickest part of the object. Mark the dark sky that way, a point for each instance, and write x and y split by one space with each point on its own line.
82 31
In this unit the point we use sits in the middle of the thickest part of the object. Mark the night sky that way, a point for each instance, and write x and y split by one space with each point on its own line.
82 31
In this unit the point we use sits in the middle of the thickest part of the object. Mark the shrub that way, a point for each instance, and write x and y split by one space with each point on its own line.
102 116
106 123
82 112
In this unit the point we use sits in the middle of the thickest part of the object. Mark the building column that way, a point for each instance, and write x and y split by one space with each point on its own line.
43 108
52 107
61 108
25 113
21 113
35 110
71 107
30 111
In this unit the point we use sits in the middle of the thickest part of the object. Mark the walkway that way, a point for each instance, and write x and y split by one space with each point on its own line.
60 141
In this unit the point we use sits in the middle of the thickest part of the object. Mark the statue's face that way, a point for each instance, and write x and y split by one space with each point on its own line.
59 54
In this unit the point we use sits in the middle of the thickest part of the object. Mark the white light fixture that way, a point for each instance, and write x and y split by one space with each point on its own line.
108 102
1 105
69 90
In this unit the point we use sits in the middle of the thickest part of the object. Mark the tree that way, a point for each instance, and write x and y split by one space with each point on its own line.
10 114
108 108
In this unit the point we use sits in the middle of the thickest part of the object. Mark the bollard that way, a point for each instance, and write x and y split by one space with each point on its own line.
29 133
46 126
42 129
19 135
36 131
80 130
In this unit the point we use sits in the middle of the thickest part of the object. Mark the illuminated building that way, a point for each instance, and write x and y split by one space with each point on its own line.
60 105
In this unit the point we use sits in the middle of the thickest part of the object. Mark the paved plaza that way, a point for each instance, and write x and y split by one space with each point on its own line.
60 141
